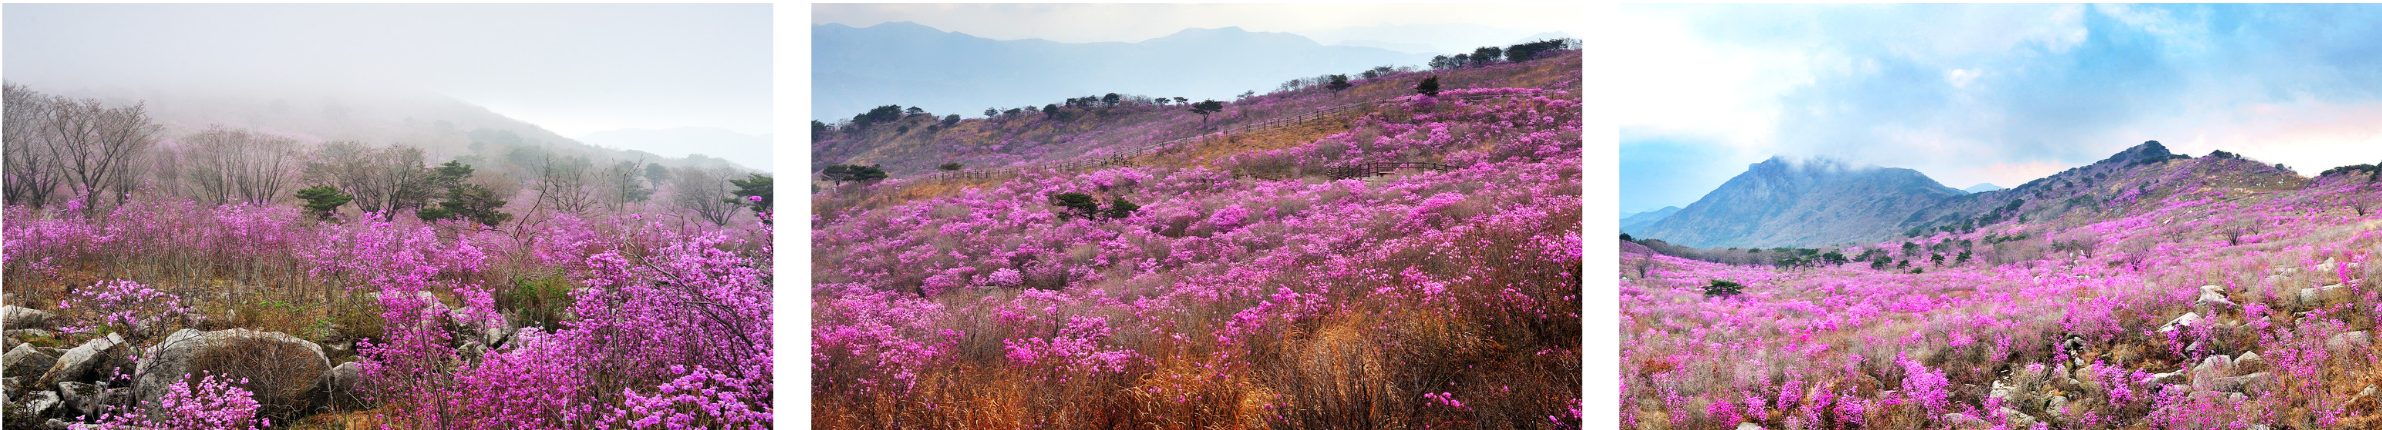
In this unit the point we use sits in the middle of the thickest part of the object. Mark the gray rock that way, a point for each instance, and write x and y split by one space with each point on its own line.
284 371
1749 426
17 317
2017 419
344 386
43 403
82 398
2185 320
2238 384
57 424
1964 421
26 360
27 333
2347 343
2175 377
2058 405
2213 366
94 359
2318 296
2211 301
13 384
2213 288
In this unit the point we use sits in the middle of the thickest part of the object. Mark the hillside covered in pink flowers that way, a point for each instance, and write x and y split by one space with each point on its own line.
2164 292
1410 262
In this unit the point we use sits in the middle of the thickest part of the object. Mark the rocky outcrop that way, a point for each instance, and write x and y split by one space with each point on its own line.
94 359
25 359
18 318
344 387
284 372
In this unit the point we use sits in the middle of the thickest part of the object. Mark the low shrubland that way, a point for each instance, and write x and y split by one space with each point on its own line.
1247 289
2205 307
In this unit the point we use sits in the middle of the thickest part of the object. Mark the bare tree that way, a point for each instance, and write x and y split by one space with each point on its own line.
228 166
96 145
383 180
624 183
567 183
31 175
705 191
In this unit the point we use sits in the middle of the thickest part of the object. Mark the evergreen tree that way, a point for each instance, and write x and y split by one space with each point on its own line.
1206 107
1339 82
755 185
1429 87
323 200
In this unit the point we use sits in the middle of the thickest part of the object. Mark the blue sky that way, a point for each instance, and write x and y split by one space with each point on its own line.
1988 93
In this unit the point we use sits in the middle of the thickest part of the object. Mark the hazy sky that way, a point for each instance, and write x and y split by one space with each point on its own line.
572 69
1987 93
1080 23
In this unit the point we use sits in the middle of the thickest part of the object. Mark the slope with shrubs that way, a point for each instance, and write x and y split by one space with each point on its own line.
630 310
1240 288
915 144
2202 293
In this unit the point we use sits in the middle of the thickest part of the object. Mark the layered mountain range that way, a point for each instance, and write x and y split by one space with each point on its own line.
1788 203
902 63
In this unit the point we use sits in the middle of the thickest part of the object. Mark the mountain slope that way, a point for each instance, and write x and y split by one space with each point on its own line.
2126 183
1777 203
1982 187
1635 223
901 63
1783 203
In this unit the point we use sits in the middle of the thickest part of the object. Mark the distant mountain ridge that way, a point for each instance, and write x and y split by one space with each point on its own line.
1780 202
1637 222
906 64
1777 203
1982 187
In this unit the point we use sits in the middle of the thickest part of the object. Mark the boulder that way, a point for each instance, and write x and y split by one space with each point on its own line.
2318 296
344 386
2349 342
13 384
18 317
1964 421
2017 419
284 372
2185 320
81 398
24 359
1749 426
2249 361
27 333
43 403
2238 384
2211 301
2057 406
56 424
2212 367
95 359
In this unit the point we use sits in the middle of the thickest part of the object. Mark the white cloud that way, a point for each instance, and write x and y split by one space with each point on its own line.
1959 78
1675 84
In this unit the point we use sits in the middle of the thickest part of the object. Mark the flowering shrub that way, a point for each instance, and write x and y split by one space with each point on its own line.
202 403
127 307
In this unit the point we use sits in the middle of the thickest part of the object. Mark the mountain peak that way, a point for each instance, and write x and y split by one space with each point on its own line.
2146 152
